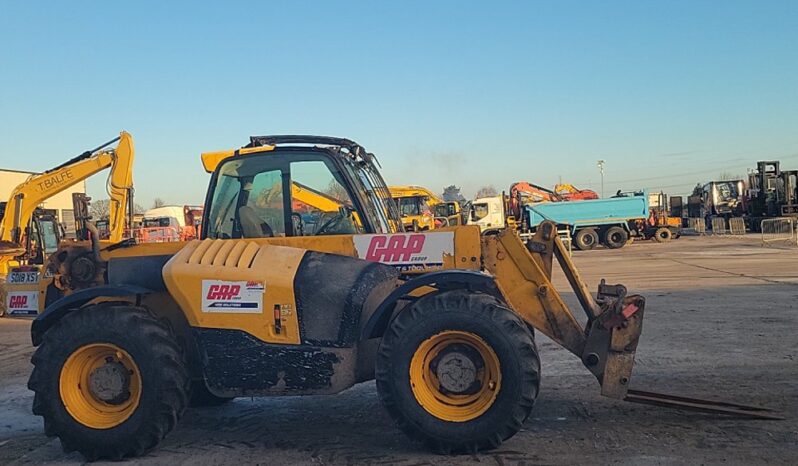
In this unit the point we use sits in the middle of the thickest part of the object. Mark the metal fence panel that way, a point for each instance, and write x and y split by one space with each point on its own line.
718 226
698 225
778 230
737 226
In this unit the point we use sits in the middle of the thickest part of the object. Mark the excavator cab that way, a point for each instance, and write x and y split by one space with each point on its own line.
38 239
44 236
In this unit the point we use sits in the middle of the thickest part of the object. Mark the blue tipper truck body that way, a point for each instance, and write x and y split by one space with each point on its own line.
597 215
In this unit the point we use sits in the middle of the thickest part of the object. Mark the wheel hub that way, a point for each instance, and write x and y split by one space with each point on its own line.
457 368
456 372
110 383
83 269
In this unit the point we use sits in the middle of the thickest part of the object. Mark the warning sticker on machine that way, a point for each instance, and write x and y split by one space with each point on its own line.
406 250
22 302
232 297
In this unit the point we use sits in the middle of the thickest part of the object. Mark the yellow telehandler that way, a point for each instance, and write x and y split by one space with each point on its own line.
422 210
443 320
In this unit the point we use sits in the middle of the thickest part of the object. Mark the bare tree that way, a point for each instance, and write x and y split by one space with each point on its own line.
486 191
336 191
158 202
100 209
452 193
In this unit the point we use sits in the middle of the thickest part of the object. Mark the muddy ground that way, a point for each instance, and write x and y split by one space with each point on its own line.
721 322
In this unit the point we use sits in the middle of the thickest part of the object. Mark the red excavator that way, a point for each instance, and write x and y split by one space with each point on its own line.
569 192
523 192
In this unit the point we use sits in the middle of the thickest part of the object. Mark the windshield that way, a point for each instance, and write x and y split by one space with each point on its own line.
374 190
411 205
727 191
445 209
161 222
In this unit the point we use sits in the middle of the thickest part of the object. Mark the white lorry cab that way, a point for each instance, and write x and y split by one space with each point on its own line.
488 212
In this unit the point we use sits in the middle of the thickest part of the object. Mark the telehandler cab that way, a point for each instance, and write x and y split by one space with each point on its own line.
273 302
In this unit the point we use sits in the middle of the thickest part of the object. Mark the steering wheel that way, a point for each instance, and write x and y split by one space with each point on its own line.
330 224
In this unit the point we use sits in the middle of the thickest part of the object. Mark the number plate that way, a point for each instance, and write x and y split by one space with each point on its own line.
23 277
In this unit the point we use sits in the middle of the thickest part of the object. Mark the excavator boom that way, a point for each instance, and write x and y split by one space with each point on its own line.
38 188
16 225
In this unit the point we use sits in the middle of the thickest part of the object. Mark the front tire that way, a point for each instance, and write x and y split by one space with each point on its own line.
110 381
663 235
458 371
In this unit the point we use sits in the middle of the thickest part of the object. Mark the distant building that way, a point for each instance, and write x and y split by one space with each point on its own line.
60 203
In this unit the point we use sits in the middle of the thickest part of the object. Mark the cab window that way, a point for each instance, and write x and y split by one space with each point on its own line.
415 205
262 213
49 233
445 209
479 211
247 201
320 203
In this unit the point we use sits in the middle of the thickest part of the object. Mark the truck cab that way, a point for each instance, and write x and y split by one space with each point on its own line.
488 213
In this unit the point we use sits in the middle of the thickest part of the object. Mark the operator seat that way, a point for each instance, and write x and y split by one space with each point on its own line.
252 226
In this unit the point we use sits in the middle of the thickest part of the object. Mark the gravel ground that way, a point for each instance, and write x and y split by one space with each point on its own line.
721 321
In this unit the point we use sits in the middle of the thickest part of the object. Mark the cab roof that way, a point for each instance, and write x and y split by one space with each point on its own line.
345 147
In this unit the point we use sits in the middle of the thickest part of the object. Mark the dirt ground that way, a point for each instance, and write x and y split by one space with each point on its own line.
721 322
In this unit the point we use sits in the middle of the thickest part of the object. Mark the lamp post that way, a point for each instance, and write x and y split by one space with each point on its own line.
601 170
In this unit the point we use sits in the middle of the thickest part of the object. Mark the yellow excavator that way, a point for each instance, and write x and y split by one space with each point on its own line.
444 320
422 210
24 234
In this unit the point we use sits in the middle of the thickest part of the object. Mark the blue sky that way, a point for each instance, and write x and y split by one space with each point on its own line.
667 93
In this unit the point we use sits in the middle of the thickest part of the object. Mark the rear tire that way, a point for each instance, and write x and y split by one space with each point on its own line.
615 237
82 363
494 397
663 235
586 239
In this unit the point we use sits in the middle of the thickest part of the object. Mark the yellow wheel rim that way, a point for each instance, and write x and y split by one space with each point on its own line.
100 385
455 376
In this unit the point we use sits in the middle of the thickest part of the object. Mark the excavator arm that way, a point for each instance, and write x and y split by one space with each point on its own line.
38 188
572 193
302 194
